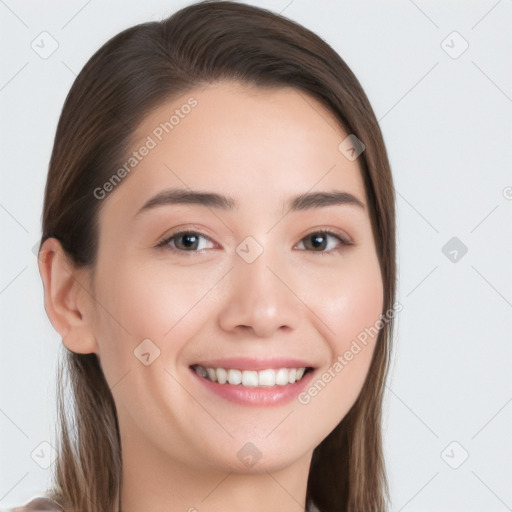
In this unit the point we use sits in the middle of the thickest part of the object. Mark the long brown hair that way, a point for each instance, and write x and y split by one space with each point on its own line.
132 73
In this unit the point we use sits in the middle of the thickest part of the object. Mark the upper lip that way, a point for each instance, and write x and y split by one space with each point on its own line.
254 363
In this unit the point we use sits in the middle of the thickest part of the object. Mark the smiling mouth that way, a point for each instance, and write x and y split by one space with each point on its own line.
252 378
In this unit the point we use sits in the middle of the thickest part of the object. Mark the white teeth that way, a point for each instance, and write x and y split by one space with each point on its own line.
249 378
234 376
266 377
270 377
222 375
282 377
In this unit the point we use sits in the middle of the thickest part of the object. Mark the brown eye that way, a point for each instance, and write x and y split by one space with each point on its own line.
323 242
316 241
185 241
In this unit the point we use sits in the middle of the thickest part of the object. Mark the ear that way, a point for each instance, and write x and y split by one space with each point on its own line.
67 299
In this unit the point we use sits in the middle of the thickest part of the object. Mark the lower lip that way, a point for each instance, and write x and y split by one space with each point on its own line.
256 395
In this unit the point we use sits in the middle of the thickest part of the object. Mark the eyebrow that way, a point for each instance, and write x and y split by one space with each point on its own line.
300 202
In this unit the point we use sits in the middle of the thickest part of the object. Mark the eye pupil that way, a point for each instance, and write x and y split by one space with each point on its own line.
318 240
189 238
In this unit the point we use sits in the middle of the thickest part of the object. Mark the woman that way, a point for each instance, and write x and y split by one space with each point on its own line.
218 256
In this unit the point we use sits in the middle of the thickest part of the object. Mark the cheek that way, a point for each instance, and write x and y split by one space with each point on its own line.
354 306
140 302
348 299
350 308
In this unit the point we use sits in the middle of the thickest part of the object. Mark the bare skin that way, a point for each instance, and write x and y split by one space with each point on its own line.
180 441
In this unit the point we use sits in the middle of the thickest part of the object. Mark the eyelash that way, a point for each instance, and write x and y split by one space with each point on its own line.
164 244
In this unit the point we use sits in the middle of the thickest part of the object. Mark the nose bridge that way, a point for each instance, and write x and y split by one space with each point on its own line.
257 275
258 297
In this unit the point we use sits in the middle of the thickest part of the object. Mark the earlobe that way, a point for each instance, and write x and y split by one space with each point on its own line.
67 301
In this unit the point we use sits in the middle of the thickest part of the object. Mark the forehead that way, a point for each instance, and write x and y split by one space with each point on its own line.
259 145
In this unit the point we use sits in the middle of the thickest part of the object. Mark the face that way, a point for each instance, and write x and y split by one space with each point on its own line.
256 283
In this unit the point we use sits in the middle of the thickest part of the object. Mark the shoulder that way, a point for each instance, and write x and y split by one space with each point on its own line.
40 504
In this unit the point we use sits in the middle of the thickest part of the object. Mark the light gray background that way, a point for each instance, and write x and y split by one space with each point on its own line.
446 117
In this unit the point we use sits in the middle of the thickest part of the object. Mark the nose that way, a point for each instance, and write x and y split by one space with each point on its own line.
261 298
